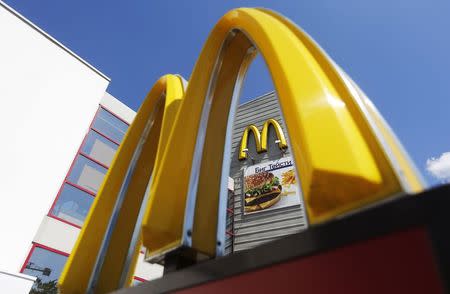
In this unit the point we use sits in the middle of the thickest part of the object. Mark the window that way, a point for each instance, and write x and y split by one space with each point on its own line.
109 125
137 281
87 174
72 205
77 195
46 265
99 148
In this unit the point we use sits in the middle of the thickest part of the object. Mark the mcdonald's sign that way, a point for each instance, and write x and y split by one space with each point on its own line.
167 186
261 139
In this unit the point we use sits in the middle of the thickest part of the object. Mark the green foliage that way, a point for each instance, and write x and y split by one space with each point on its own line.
44 288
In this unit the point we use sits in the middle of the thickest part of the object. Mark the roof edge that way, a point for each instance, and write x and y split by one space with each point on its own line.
258 97
53 40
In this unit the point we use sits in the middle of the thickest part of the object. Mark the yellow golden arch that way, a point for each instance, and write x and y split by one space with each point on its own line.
107 248
345 154
261 140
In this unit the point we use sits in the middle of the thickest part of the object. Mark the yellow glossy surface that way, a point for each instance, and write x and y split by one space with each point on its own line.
164 98
261 139
341 164
278 130
412 177
244 141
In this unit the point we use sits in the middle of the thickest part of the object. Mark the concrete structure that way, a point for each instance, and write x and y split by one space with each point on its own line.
49 96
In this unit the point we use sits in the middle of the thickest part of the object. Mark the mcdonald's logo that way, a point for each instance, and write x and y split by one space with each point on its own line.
167 186
261 139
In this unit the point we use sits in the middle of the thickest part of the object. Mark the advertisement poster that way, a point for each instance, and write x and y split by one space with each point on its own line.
270 185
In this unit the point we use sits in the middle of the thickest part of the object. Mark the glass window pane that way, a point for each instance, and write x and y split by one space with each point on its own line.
72 205
109 125
46 266
99 148
87 174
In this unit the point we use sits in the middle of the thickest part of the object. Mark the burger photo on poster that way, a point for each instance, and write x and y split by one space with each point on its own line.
262 190
270 185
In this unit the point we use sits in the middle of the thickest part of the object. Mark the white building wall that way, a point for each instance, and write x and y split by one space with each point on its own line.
120 109
48 96
147 270
56 234
15 283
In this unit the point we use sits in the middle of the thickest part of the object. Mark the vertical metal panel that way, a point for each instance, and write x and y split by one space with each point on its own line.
229 237
255 229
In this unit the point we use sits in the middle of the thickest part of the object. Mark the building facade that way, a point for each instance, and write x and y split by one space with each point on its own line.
60 228
252 225
50 96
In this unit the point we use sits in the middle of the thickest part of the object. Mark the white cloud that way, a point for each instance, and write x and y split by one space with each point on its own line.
440 167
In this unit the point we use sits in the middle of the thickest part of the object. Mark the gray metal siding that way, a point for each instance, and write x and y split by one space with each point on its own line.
255 229
230 225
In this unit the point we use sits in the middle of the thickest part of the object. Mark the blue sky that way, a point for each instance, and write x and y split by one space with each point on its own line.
397 51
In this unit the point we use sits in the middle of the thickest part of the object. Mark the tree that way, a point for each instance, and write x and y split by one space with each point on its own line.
44 288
